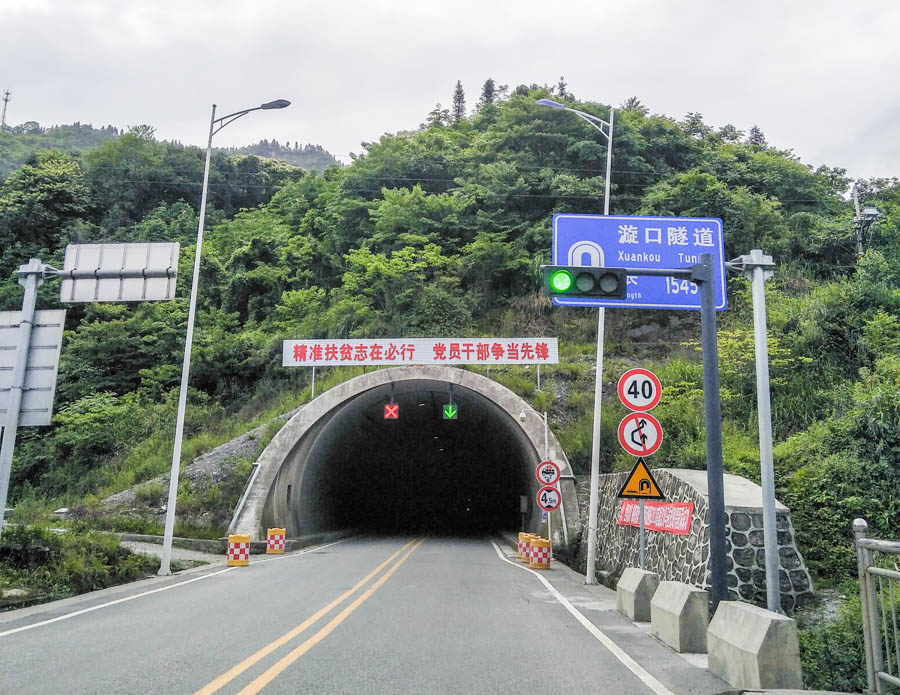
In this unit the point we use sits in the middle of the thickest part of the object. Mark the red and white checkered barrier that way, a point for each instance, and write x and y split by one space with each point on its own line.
238 553
525 555
539 558
275 541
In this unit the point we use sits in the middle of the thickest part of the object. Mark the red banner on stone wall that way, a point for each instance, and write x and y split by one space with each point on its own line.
668 517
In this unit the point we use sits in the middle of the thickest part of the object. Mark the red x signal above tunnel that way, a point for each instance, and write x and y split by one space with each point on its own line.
391 411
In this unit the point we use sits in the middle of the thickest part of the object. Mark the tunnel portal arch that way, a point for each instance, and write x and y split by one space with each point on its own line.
286 488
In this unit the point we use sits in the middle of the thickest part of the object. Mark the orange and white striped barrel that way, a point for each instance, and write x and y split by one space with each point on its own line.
540 554
275 541
238 554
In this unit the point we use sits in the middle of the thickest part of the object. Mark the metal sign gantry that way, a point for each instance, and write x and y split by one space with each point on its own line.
30 340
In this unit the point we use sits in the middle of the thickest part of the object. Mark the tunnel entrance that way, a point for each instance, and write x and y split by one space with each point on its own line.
339 464
420 472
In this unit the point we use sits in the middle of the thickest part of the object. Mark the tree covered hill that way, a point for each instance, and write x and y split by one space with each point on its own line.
21 142
313 157
439 231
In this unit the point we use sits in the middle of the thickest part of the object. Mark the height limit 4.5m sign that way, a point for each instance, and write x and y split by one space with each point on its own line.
548 498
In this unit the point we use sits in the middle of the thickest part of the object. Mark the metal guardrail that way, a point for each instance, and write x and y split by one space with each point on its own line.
879 609
243 500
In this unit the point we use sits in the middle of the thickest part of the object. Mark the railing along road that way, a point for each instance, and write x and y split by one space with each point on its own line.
879 608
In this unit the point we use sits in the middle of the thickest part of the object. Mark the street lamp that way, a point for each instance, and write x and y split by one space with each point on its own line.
215 125
606 129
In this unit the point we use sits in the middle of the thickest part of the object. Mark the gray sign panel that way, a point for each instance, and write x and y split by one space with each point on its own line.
43 363
119 272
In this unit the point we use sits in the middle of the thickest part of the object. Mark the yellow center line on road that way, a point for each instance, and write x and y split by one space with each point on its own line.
267 677
238 669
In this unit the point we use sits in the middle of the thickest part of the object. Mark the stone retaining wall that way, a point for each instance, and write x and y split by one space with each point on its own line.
684 558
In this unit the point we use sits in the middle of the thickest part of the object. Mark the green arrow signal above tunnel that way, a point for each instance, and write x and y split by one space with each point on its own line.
450 411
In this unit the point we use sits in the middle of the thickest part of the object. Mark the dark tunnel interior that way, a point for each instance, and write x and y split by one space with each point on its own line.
420 473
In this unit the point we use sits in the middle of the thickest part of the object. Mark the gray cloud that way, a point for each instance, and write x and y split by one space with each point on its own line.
813 75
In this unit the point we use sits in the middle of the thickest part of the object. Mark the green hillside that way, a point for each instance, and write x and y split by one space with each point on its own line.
313 157
439 231
19 143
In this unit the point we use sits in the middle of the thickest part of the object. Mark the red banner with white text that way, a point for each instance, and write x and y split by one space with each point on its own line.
405 351
668 517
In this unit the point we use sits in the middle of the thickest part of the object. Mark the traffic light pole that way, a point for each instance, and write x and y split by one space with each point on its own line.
702 274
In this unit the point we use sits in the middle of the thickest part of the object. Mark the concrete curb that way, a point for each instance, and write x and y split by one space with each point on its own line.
217 546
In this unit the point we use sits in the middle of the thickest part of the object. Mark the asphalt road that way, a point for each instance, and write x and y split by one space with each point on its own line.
386 615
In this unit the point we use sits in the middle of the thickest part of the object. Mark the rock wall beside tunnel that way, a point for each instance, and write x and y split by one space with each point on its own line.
685 558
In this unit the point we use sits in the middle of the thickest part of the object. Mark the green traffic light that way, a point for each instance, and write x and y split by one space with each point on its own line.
450 411
561 281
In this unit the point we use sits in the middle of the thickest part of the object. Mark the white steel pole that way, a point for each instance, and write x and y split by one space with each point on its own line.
764 411
313 384
593 506
31 280
164 568
609 137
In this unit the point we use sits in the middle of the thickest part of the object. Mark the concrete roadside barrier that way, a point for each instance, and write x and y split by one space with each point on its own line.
750 647
238 553
679 616
275 541
634 591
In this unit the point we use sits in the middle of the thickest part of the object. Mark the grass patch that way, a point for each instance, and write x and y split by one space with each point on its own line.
47 564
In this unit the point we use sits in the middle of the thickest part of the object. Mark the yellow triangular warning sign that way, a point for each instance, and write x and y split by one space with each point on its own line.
640 484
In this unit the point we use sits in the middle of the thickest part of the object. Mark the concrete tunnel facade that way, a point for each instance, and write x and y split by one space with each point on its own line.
338 464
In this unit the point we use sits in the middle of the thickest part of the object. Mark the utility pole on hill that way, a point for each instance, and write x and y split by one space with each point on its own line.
3 117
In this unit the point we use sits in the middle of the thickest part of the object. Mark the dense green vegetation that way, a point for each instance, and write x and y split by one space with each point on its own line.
20 142
314 157
52 564
440 231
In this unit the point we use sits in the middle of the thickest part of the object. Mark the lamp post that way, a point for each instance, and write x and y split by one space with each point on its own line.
606 129
215 125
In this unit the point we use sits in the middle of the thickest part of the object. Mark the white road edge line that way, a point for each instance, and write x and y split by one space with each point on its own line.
73 614
614 648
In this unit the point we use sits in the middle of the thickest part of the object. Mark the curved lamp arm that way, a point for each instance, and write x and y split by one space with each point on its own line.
232 117
589 118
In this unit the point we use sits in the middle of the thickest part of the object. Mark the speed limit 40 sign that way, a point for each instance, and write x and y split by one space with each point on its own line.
639 389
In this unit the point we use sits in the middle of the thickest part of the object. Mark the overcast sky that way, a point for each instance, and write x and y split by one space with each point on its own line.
818 77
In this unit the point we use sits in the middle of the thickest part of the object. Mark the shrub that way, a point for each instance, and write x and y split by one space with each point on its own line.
832 652
57 564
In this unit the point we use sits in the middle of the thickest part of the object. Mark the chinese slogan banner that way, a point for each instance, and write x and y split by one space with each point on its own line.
322 353
668 517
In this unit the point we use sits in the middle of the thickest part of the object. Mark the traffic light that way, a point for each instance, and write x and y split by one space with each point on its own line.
578 281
